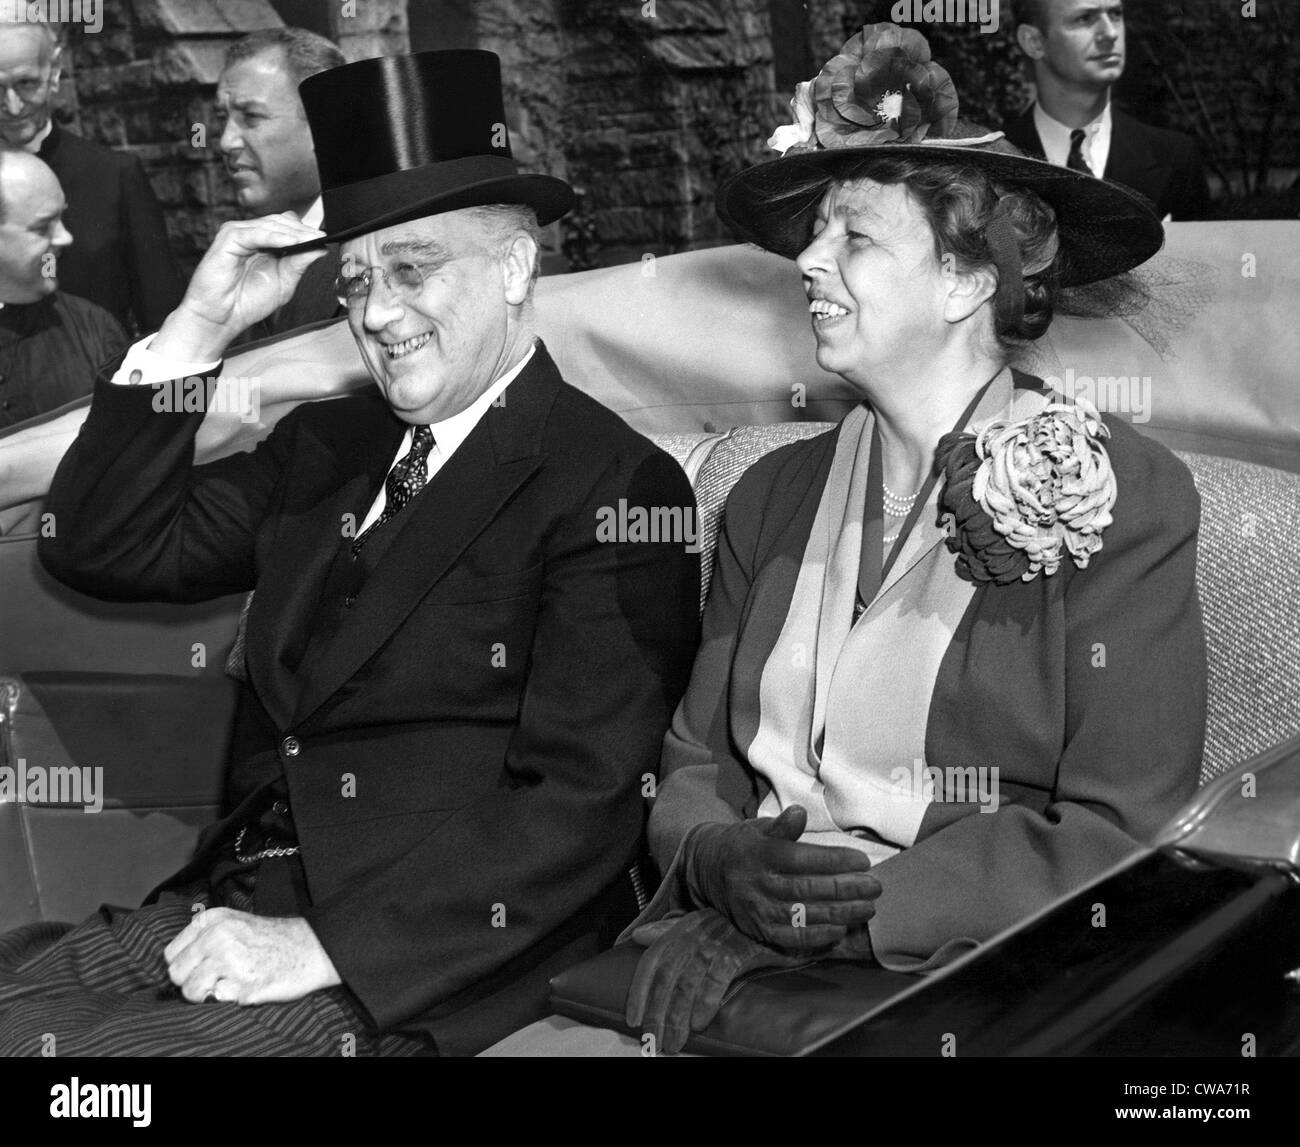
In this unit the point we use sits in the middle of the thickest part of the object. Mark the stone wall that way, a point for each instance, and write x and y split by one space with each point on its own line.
1230 78
644 105
533 49
662 100
365 28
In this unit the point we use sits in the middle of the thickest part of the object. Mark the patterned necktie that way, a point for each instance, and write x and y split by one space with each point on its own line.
1076 160
404 481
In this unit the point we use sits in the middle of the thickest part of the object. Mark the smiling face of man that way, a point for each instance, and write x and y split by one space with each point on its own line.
32 234
446 323
265 139
29 73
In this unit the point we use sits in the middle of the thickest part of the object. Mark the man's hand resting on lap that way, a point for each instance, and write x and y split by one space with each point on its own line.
236 957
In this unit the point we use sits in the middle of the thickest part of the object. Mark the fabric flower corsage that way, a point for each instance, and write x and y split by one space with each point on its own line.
1018 494
881 88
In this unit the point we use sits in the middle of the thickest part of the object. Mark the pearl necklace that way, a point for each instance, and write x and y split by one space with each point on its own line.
897 506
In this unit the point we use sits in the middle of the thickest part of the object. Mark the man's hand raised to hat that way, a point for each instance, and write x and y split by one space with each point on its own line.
777 889
239 282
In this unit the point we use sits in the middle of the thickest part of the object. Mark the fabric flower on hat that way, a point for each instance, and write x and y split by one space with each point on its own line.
1021 495
800 132
881 88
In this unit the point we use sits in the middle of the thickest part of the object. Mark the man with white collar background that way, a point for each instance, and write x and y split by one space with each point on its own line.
266 148
1078 50
122 260
51 343
456 690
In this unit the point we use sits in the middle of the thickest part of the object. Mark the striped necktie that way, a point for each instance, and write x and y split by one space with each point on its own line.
1075 160
404 481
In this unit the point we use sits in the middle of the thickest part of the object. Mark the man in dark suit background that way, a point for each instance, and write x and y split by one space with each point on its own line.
266 147
122 260
457 688
1077 48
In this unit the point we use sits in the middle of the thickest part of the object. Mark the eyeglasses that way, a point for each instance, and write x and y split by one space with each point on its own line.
406 280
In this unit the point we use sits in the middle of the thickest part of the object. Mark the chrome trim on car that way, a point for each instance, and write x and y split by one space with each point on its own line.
1251 812
10 692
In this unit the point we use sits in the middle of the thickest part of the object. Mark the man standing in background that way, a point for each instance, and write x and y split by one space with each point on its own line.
52 344
122 259
266 146
1077 48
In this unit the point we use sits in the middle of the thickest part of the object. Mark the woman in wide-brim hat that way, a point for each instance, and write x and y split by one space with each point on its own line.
953 664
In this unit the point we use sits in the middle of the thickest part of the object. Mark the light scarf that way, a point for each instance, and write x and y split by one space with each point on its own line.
844 704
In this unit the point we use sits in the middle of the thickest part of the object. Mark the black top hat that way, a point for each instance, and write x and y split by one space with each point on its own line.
883 96
401 137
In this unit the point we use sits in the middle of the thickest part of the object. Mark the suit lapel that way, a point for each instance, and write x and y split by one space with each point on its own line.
305 545
1130 160
1024 134
501 453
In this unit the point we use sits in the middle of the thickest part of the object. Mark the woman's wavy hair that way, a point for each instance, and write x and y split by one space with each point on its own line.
959 201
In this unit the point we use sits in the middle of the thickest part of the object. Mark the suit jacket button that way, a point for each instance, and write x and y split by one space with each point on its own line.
290 746
280 808
350 601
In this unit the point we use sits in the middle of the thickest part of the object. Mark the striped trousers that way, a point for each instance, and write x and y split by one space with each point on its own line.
100 988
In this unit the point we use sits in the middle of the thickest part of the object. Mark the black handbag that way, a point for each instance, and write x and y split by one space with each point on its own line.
770 1012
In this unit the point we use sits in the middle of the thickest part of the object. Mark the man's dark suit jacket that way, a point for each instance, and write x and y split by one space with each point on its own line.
465 736
1165 166
120 256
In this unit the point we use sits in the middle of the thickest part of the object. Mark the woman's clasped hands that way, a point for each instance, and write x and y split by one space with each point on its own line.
764 900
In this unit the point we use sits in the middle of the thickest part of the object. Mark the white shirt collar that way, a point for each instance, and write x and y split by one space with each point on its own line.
451 432
1056 139
447 435
315 214
34 144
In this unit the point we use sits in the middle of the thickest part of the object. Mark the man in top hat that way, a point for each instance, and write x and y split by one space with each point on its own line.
1077 50
456 691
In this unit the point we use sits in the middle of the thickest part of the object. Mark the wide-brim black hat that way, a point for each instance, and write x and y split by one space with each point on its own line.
401 137
1103 227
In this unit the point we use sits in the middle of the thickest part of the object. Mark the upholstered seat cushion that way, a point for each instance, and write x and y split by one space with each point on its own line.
1249 584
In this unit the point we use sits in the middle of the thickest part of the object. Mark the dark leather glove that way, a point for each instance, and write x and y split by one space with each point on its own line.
691 962
756 872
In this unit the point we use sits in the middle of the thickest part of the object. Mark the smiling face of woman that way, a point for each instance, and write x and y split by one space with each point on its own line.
875 283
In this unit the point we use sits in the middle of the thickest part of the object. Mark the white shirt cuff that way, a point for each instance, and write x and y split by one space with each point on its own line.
141 367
